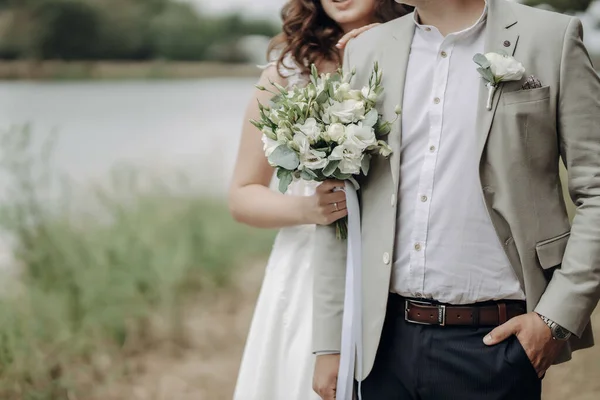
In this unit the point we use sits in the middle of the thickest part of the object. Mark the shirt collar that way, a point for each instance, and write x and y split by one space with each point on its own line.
464 33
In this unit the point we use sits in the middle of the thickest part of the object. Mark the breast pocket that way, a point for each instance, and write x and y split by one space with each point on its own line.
526 96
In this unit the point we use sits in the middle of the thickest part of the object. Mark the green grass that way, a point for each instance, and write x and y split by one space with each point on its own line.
92 283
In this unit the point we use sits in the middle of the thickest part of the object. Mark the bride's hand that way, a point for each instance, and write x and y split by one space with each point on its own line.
327 205
352 34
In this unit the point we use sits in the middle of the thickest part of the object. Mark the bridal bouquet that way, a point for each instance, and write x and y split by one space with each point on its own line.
325 130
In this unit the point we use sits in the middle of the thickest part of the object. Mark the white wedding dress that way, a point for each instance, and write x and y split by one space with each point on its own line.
278 362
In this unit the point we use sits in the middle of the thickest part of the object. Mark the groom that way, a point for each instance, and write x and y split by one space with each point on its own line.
474 282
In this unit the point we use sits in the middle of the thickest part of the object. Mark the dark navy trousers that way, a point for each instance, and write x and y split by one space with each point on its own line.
421 362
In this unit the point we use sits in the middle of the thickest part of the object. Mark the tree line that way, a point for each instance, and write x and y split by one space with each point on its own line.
119 30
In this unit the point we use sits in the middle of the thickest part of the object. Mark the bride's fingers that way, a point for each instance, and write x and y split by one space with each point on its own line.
352 34
338 206
336 215
333 197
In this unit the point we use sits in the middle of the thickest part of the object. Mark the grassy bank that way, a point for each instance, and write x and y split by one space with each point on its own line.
107 70
96 288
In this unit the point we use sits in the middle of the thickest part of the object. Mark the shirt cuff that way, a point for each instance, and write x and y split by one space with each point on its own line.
326 353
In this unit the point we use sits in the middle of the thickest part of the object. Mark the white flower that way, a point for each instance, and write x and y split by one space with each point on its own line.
313 160
342 90
361 136
355 95
371 118
336 132
347 111
368 94
310 128
301 143
505 68
269 145
350 158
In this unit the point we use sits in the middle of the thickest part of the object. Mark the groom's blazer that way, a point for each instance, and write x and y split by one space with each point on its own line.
521 141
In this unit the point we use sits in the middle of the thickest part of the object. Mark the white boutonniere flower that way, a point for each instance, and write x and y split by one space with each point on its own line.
496 68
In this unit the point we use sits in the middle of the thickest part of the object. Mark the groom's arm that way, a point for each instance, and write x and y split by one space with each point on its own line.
574 290
329 265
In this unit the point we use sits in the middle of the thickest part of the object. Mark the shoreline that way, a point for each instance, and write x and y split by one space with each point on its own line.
121 70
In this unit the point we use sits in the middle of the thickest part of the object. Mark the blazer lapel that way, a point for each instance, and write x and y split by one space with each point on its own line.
394 62
501 34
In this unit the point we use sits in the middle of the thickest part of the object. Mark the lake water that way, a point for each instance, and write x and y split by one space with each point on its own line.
190 126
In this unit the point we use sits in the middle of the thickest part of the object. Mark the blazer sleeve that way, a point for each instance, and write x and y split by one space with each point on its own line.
329 267
574 289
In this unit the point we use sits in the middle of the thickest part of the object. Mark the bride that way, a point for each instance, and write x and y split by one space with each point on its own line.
277 362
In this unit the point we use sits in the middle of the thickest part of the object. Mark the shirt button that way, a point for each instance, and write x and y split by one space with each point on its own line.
393 200
428 29
444 54
432 149
418 246
436 100
424 199
386 258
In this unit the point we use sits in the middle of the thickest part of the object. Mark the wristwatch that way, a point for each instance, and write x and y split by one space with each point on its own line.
558 332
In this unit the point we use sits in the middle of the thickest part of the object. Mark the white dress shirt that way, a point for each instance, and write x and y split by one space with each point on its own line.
446 246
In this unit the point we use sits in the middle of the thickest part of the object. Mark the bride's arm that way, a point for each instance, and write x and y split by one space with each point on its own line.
250 199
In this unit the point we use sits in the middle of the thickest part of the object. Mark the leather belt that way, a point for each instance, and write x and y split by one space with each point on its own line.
487 314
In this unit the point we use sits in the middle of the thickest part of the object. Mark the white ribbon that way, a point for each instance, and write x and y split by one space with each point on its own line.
352 352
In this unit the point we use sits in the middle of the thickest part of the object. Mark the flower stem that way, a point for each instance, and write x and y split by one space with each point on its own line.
491 92
341 229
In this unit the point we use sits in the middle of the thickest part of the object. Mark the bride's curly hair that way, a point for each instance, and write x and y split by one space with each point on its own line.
310 36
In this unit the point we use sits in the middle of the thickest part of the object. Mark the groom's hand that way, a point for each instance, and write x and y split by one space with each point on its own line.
535 337
326 374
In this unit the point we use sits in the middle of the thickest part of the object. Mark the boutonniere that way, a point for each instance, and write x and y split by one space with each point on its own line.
496 68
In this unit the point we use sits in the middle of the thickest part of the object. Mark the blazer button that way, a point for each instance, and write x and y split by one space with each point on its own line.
386 258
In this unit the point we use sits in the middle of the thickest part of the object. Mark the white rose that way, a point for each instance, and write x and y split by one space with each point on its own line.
336 132
350 158
505 68
347 111
310 128
269 145
361 136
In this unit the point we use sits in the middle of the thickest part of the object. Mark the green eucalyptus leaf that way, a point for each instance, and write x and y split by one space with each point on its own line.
487 74
331 167
341 177
482 61
308 175
285 179
322 97
284 157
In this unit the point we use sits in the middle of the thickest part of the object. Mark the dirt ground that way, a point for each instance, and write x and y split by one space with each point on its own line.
207 369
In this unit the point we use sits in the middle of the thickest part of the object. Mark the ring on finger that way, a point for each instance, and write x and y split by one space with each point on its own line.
335 205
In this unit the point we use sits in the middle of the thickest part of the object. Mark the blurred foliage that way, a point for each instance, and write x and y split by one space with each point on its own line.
104 282
118 30
563 5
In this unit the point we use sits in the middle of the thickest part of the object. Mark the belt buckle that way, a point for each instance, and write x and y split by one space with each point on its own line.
441 312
